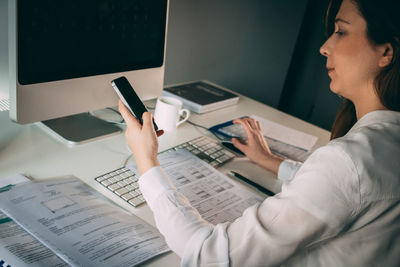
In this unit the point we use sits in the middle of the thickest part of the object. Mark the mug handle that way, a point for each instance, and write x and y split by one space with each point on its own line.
185 118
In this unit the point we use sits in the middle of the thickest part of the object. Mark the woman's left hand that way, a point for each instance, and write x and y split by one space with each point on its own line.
256 149
142 140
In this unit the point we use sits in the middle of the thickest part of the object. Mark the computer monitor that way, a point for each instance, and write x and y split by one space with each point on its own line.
63 55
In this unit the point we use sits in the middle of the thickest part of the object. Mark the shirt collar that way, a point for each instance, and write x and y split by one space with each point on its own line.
377 116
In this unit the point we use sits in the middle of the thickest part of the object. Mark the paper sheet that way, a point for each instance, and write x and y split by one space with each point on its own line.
212 193
19 248
285 134
80 226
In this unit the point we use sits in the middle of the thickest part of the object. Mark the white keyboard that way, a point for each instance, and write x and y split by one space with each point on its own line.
124 183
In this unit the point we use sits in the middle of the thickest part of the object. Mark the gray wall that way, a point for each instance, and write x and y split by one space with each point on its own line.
244 45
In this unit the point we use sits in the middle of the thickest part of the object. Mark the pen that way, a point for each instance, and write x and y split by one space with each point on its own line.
5 188
259 187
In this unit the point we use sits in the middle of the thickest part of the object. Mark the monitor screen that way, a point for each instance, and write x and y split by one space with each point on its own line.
61 39
65 53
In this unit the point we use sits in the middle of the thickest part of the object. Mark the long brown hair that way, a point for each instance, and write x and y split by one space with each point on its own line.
383 26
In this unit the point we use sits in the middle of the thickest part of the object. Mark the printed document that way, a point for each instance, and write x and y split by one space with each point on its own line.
79 226
211 192
19 248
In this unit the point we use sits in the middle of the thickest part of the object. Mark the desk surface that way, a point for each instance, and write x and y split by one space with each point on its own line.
29 150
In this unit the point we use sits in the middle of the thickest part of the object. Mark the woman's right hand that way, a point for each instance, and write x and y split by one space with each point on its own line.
256 149
142 140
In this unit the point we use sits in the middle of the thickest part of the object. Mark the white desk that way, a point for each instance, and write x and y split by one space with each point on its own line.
29 150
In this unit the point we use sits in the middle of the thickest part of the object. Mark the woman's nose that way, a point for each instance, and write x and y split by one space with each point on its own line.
324 49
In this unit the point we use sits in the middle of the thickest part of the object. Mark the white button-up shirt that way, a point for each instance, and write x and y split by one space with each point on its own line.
341 209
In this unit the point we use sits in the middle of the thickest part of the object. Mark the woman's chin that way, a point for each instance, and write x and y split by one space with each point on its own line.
334 88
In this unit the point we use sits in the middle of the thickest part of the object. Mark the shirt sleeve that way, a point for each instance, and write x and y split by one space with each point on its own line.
288 169
314 207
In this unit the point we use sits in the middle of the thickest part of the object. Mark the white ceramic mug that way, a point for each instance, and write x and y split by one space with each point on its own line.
168 112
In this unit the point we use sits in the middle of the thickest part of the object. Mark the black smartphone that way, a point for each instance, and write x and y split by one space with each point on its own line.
129 97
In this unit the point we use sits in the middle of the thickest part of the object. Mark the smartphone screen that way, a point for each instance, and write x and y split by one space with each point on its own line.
127 94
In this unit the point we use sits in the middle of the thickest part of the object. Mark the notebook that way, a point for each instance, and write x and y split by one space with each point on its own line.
202 96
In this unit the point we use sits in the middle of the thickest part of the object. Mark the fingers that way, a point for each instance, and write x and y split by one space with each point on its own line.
251 127
252 123
258 126
246 127
127 115
147 122
242 147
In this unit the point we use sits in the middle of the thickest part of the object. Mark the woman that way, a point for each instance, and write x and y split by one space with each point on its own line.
341 207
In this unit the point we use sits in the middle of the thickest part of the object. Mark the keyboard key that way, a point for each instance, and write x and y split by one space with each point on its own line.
134 193
113 187
106 183
229 154
121 191
100 179
118 178
224 158
130 180
196 151
130 173
122 183
135 202
127 196
113 173
124 175
112 180
130 187
214 156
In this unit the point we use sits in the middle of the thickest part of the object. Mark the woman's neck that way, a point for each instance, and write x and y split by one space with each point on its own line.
364 106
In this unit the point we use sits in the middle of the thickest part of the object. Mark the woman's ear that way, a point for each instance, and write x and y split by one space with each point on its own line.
386 55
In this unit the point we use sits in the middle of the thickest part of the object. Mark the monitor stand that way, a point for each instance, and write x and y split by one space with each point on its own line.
80 128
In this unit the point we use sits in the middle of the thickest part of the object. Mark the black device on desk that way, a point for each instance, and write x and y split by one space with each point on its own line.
229 145
129 97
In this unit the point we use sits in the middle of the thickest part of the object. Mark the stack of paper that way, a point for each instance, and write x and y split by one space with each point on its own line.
70 223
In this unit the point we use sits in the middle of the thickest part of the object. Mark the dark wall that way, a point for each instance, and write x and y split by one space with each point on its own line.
306 92
244 45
